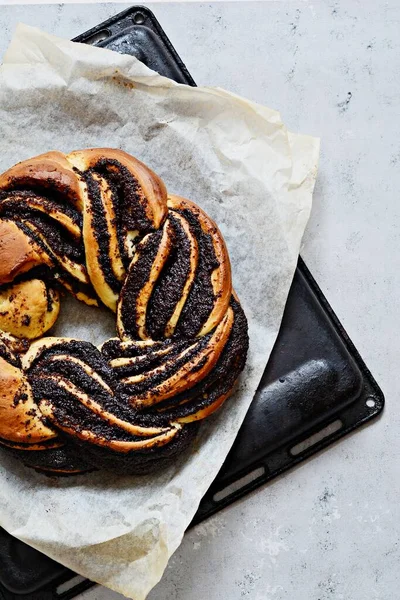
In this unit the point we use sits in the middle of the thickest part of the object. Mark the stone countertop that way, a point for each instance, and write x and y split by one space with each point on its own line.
329 529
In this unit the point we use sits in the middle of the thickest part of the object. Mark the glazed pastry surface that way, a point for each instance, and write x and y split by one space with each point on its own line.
101 225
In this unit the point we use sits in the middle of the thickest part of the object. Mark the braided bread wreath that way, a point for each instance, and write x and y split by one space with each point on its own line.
100 224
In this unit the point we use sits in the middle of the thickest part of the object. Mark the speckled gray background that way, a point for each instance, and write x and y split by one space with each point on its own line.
330 529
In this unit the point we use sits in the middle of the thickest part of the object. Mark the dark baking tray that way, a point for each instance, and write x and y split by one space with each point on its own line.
315 389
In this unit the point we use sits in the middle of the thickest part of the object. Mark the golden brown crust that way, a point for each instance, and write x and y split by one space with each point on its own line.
196 369
49 470
144 296
15 346
18 254
203 413
100 223
28 309
49 171
20 419
221 277
32 447
115 445
154 192
151 194
93 249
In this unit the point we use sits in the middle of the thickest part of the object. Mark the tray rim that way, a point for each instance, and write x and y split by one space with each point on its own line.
370 389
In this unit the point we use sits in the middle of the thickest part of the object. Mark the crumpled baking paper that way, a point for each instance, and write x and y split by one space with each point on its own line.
238 161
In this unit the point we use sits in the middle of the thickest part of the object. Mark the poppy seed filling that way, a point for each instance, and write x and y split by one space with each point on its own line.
101 224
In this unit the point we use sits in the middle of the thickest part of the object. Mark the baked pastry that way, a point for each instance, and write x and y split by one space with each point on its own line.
101 225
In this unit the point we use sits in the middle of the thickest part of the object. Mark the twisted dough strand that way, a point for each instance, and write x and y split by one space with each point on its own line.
100 224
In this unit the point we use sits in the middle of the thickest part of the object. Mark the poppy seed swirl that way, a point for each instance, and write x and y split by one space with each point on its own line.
100 225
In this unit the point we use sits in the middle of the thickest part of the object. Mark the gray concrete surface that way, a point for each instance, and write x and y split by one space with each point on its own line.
330 529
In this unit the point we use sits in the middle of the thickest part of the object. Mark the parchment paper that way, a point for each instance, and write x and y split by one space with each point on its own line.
238 161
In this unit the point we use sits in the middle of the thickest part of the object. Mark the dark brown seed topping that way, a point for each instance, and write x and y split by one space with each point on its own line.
97 402
201 297
170 284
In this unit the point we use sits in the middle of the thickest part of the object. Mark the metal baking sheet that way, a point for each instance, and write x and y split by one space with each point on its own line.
315 389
